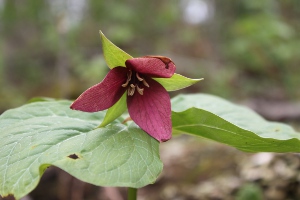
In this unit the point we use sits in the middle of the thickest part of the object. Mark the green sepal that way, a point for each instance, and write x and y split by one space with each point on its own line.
115 111
113 55
176 82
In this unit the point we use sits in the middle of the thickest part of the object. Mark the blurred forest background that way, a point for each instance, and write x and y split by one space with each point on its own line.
246 51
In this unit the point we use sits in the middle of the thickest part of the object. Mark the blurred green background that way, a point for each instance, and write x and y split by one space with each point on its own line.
242 49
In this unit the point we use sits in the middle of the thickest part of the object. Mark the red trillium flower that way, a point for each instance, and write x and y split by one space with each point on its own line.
148 102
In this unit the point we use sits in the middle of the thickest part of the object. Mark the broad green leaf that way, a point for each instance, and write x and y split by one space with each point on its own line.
38 135
115 111
176 82
114 56
214 118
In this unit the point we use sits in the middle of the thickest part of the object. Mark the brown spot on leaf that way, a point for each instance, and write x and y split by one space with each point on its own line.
73 156
8 197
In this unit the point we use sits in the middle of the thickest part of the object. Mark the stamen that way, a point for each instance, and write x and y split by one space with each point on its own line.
131 90
138 77
140 90
125 84
145 83
133 84
129 74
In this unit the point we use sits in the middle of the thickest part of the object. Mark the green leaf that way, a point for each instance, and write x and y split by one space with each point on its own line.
115 111
38 135
214 118
114 56
176 82
36 99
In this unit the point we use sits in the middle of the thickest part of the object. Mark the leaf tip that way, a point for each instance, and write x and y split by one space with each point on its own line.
102 36
198 79
103 124
101 33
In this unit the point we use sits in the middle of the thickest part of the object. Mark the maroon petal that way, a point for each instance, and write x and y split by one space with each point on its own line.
153 66
152 110
104 94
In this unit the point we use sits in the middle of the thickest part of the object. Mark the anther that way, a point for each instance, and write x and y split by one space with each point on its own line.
131 90
131 85
129 74
125 84
138 77
145 83
140 90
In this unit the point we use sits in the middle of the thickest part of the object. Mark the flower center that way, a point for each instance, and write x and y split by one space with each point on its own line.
134 82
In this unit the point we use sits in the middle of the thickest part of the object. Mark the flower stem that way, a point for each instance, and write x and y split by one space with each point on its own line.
132 193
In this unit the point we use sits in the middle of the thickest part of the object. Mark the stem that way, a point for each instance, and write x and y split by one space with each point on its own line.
132 193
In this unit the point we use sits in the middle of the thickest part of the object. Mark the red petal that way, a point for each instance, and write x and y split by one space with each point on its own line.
154 66
104 94
152 111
